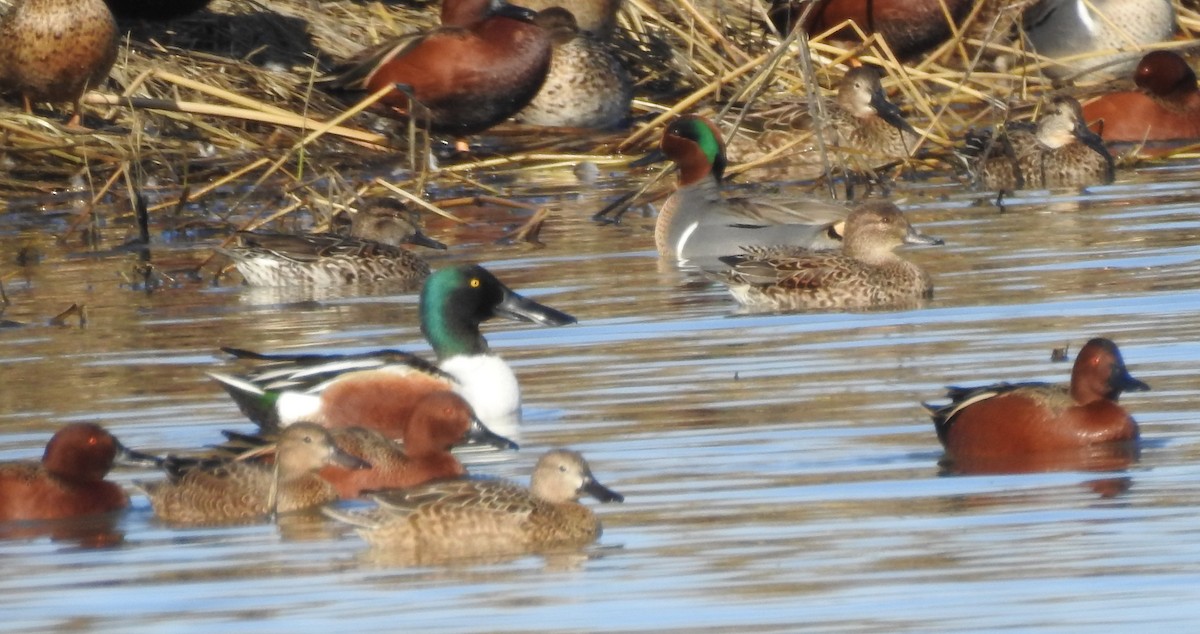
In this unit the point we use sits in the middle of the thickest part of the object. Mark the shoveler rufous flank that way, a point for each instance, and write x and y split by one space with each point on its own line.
1020 418
229 491
700 222
54 50
379 386
476 517
866 273
1165 108
69 480
485 63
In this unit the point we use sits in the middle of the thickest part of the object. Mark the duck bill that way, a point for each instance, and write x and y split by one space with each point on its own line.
127 457
654 156
601 492
349 461
423 240
514 12
518 308
1126 383
479 434
890 112
916 237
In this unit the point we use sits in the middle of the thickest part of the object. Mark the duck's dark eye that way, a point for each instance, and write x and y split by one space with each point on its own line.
308 439
562 467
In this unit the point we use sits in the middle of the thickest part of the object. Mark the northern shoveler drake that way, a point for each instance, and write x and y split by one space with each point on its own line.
699 222
864 123
485 63
228 491
55 50
596 17
1165 107
155 9
69 480
457 518
910 27
866 273
1059 151
371 253
1025 418
439 422
1068 30
587 87
379 389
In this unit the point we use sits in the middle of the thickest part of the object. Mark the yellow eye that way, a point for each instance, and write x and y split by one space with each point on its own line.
474 282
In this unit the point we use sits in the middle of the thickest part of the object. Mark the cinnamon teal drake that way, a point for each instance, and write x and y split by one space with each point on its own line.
1166 106
371 253
1069 31
866 273
55 50
595 17
700 223
866 125
230 491
1059 151
440 421
910 27
460 518
1026 418
485 63
586 87
375 389
69 479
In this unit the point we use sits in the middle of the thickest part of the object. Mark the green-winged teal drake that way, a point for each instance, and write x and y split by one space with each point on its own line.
587 87
1165 107
69 479
377 389
476 517
228 491
1067 31
55 50
866 273
1028 418
440 421
371 253
485 63
1059 151
699 222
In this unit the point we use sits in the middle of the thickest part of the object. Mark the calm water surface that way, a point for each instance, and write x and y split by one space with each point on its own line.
779 471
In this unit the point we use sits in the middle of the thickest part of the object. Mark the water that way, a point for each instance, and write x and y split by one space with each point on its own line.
779 471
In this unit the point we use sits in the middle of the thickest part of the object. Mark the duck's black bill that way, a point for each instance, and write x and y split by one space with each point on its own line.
479 434
520 308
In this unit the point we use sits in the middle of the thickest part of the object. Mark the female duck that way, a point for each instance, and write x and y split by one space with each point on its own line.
1023 418
865 274
377 388
485 63
864 122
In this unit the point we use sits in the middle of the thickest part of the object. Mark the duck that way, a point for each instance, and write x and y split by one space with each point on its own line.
597 18
69 481
229 491
1068 31
55 50
1166 106
155 9
375 389
473 517
485 62
421 453
863 121
699 222
1059 151
586 86
1027 418
866 273
371 253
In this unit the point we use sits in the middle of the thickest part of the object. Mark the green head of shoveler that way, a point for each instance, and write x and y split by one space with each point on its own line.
454 301
696 146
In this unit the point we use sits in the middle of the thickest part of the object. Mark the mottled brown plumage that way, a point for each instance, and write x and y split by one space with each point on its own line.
474 517
54 50
866 273
866 123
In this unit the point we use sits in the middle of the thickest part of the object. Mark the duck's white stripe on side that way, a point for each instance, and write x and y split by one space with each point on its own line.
687 233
